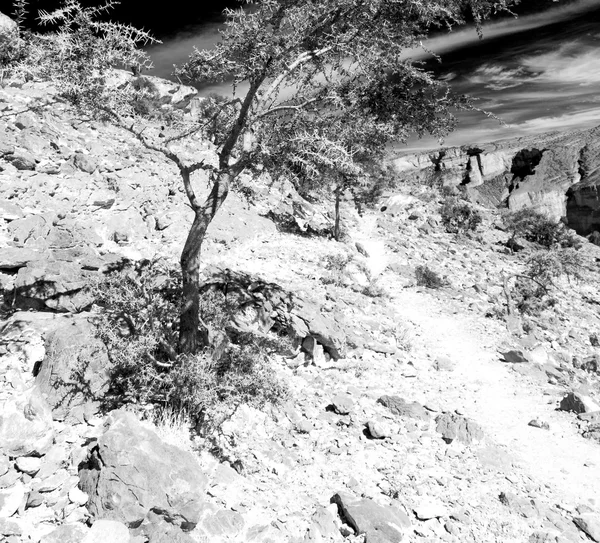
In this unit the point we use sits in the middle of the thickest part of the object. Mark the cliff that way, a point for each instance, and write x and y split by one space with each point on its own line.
554 173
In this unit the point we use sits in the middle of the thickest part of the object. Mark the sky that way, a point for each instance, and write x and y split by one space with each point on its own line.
537 72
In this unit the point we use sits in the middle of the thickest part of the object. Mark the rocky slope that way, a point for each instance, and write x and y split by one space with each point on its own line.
414 414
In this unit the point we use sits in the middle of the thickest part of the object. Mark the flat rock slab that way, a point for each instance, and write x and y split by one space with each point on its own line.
456 427
400 407
379 523
132 473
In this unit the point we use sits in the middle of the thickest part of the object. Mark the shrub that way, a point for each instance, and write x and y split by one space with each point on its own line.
459 217
137 320
538 228
336 266
428 278
531 292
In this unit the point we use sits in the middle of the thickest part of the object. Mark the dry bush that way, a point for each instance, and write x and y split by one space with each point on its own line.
137 320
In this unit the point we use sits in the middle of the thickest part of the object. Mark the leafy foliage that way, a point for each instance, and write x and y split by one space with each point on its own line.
532 290
137 322
459 217
538 228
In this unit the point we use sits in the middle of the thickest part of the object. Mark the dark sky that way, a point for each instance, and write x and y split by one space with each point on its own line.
178 15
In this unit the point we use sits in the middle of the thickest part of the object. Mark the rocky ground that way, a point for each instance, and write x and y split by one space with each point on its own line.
415 415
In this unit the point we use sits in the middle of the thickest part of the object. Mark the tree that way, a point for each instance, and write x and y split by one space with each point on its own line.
317 86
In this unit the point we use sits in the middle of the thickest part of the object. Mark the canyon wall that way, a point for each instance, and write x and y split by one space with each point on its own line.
556 173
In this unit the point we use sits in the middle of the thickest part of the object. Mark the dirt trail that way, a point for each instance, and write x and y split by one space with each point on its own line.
501 401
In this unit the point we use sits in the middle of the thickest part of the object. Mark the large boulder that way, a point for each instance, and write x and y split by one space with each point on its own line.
74 375
455 427
379 523
132 476
26 425
57 285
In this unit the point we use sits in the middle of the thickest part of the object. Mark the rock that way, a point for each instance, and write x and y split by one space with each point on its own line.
103 531
34 499
28 464
402 408
8 28
23 160
13 258
52 285
429 510
378 430
539 424
9 211
590 525
514 356
459 428
85 163
67 533
11 499
379 523
131 473
342 404
77 496
4 464
9 528
75 373
578 403
54 482
223 523
444 363
323 528
26 425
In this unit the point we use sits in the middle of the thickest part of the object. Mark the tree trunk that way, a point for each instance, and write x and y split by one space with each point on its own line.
190 333
336 228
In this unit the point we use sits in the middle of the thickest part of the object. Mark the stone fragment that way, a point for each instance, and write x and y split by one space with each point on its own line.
514 356
379 523
35 499
85 163
223 523
9 211
323 528
576 402
13 258
11 499
10 528
444 363
55 481
78 497
428 510
400 407
75 372
22 160
590 525
378 430
539 424
103 531
26 425
456 427
28 464
342 404
67 533
132 472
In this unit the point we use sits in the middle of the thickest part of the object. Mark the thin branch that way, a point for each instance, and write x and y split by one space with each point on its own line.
287 107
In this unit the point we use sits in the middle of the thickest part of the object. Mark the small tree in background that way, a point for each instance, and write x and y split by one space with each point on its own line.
316 87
